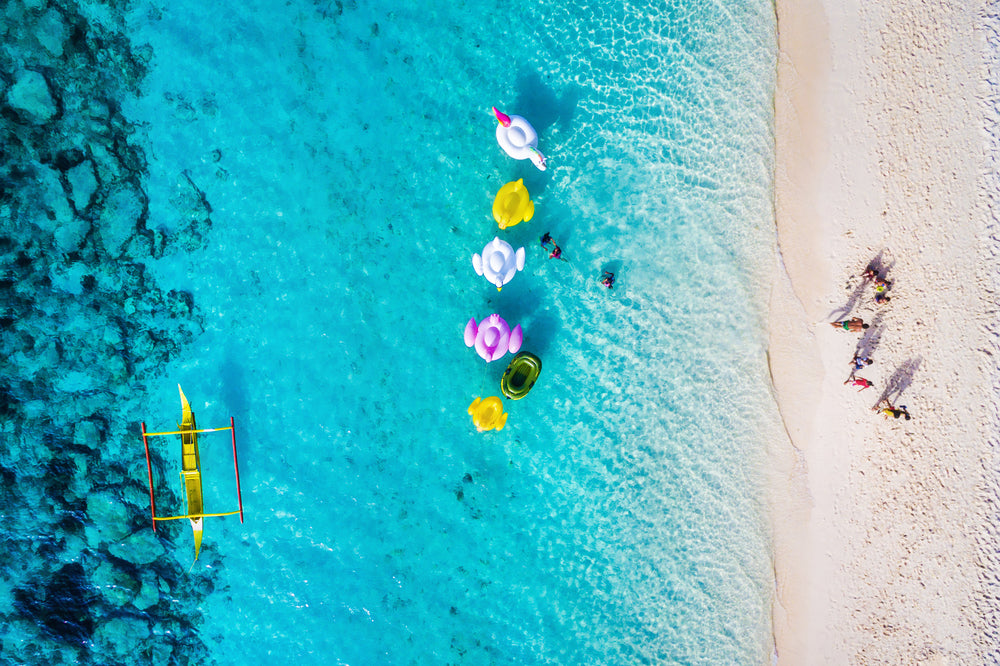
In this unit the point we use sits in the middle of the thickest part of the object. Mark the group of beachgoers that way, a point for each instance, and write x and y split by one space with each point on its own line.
860 360
555 252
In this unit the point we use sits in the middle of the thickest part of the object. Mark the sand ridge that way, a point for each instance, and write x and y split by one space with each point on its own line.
883 544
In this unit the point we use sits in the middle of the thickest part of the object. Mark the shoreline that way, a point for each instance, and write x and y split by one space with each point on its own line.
881 529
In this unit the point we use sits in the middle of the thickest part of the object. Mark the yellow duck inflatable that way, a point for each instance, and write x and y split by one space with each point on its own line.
512 205
488 414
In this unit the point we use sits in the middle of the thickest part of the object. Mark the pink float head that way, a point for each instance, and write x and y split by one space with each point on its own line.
502 117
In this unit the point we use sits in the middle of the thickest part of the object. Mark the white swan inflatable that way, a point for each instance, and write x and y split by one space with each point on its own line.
493 337
499 262
518 138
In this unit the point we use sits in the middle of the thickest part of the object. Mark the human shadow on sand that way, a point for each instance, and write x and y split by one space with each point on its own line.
880 264
881 267
852 302
870 339
899 381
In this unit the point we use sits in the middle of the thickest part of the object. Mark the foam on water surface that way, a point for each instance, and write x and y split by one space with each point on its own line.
346 152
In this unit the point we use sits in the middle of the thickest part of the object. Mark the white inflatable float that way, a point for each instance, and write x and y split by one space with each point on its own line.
518 138
499 262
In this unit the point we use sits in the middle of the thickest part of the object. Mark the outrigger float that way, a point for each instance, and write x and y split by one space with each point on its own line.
191 471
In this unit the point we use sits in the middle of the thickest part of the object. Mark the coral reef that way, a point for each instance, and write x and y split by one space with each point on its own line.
82 326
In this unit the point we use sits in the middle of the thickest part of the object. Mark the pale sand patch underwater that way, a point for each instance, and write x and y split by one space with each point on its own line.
885 548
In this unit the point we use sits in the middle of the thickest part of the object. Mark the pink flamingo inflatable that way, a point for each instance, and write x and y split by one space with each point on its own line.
493 337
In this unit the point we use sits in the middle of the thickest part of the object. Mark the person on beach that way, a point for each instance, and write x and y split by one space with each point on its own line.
608 279
546 239
891 410
854 324
860 362
869 274
859 381
881 288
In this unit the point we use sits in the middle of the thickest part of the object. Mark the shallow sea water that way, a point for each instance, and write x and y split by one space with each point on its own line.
347 152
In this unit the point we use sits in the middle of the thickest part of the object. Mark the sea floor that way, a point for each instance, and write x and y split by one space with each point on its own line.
275 205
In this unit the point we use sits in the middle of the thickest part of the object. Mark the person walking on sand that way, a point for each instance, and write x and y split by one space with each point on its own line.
854 324
891 410
881 288
859 363
858 381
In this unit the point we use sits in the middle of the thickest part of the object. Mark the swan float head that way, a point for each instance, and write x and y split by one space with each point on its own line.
493 337
499 262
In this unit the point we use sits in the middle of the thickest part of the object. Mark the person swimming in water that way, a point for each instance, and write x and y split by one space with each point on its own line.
556 252
608 279
546 239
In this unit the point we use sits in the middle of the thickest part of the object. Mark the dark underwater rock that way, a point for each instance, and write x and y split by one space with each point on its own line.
60 605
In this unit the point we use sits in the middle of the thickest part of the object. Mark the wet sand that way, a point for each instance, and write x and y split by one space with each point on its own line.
885 549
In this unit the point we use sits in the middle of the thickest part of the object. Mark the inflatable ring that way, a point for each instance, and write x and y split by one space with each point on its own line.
488 414
499 262
518 139
512 205
520 375
493 337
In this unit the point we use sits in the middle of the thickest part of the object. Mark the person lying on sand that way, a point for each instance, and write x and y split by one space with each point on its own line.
854 324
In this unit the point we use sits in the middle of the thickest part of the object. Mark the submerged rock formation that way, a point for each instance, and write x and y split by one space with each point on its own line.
82 325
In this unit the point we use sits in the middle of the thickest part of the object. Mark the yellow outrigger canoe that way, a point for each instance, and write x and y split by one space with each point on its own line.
191 471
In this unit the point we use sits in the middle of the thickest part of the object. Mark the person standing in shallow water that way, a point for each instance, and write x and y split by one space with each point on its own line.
854 324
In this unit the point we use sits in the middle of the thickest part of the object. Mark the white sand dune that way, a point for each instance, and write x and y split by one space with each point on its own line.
887 532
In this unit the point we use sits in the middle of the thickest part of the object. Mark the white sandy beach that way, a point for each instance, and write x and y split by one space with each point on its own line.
887 548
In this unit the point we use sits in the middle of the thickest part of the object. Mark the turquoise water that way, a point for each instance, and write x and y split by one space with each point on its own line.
322 173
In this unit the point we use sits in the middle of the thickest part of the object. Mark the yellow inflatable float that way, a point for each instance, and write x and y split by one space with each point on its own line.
488 414
512 205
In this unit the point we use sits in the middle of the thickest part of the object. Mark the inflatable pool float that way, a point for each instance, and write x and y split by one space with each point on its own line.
512 205
488 414
493 337
518 138
499 262
520 375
